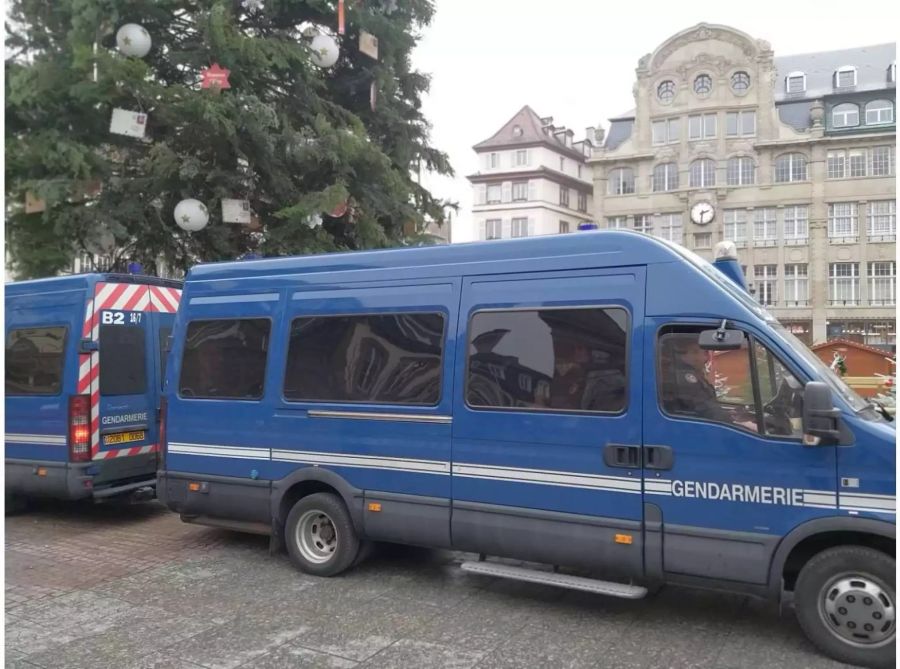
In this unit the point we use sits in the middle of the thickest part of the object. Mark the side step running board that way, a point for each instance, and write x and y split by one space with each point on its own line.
560 580
236 525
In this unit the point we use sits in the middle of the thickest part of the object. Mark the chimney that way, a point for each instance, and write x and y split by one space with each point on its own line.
589 134
600 134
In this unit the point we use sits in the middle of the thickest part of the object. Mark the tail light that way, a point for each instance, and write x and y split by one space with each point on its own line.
80 428
163 441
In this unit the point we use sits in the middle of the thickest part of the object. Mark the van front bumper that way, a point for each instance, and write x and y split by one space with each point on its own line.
49 478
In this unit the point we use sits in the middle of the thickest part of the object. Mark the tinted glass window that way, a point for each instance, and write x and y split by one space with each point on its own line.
373 358
551 359
781 395
225 359
34 361
164 334
123 360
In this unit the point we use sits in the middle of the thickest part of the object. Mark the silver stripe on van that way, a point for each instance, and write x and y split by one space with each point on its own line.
51 439
231 299
364 461
549 477
219 451
368 415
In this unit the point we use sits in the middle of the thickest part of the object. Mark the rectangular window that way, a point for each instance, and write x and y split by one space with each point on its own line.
796 285
579 171
766 277
562 164
123 360
643 223
882 161
548 360
520 227
563 227
883 220
520 191
842 220
164 334
225 359
702 240
494 160
670 228
857 163
740 124
521 157
493 228
765 229
666 131
674 130
796 224
617 222
34 360
741 171
796 84
882 283
368 358
843 283
582 202
701 126
736 225
494 194
659 132
563 196
837 164
846 78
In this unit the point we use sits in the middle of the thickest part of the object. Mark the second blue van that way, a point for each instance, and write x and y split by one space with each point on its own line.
605 402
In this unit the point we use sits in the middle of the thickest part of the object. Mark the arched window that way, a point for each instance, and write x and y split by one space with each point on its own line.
703 173
621 181
703 85
795 82
740 82
665 177
845 115
879 111
741 171
790 167
666 91
845 77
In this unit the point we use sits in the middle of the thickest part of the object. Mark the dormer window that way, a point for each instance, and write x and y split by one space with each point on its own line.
845 77
845 115
795 82
892 73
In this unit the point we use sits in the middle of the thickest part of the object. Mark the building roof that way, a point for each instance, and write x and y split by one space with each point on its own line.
853 344
619 131
80 281
532 132
871 63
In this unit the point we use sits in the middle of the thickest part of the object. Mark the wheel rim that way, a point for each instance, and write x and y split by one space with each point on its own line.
316 537
859 610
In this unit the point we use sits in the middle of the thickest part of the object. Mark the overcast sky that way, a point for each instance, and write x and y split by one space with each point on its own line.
574 60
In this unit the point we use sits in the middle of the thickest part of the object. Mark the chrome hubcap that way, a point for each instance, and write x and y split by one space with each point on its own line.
316 537
858 610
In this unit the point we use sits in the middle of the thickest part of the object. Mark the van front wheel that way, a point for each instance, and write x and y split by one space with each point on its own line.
846 603
319 535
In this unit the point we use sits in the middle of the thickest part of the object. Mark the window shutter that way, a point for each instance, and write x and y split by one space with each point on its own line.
532 189
480 193
507 229
531 222
482 231
507 191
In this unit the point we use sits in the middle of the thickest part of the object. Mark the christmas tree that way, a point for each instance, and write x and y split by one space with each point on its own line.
318 138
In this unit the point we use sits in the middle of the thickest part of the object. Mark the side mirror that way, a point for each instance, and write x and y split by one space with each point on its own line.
820 418
88 346
721 340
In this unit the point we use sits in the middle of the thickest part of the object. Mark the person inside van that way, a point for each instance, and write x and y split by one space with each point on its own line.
685 388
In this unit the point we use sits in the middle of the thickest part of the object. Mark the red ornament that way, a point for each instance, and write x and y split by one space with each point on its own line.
215 77
341 17
339 210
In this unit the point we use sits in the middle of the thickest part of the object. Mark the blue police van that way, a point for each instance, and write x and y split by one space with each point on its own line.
85 357
604 402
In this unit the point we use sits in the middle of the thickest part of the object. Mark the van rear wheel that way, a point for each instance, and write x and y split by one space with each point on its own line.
845 600
320 536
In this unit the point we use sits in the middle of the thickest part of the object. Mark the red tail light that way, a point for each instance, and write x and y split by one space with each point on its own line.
163 442
80 428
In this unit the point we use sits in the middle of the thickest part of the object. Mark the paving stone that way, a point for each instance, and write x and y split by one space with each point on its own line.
411 654
291 656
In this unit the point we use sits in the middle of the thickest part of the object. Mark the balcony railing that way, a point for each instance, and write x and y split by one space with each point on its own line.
844 303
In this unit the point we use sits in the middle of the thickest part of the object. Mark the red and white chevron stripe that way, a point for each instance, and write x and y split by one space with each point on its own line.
119 297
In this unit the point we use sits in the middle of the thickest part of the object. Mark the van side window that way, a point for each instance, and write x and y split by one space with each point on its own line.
548 359
34 361
370 358
781 395
123 360
225 359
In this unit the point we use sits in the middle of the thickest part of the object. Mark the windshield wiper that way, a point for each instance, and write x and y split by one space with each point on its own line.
879 407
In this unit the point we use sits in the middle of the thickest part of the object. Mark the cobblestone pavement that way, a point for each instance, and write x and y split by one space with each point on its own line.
134 587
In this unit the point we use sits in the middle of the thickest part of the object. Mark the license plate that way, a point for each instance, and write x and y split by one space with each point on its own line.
123 437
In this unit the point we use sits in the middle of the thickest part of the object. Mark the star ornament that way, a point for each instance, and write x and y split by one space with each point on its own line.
215 77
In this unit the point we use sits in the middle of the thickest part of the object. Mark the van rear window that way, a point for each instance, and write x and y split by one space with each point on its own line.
34 361
548 360
368 358
123 360
225 359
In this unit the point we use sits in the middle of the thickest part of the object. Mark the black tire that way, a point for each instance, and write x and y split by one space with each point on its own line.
330 544
15 504
834 579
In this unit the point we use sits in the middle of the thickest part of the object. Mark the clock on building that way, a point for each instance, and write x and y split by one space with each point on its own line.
703 213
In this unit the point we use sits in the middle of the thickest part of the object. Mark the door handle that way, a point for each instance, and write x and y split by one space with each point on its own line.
658 457
622 455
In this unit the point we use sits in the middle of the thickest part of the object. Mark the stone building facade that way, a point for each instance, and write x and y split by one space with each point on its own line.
791 157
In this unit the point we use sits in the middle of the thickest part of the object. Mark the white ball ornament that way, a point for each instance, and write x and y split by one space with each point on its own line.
191 215
314 220
324 50
133 40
